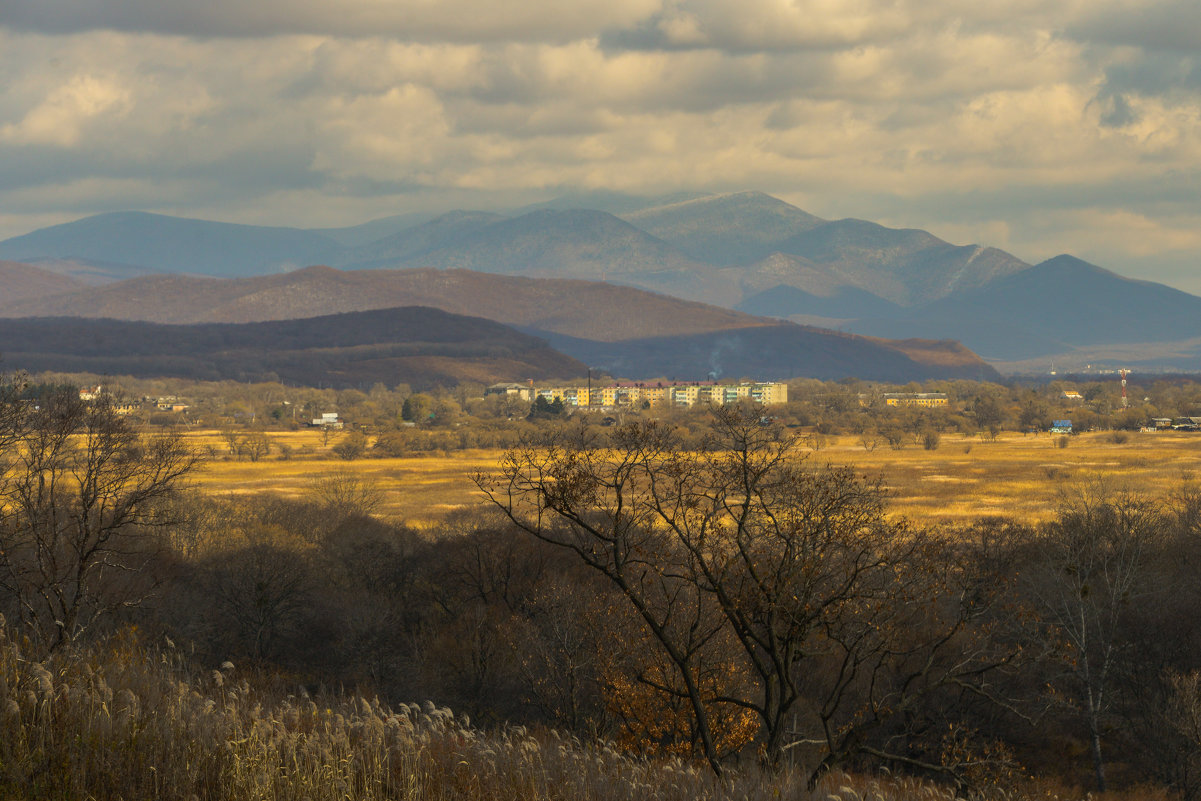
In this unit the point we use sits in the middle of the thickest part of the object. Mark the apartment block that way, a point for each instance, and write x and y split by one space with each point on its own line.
659 395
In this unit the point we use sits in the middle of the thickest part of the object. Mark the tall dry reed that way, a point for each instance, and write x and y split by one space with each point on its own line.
123 721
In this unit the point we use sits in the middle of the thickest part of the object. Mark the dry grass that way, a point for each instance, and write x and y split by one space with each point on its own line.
124 722
419 489
1020 476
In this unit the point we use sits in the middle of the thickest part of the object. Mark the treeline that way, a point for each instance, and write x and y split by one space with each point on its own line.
461 416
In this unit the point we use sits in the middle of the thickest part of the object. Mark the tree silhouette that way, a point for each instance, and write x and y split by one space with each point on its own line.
80 495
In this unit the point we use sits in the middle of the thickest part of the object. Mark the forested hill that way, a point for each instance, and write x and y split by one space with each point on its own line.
416 345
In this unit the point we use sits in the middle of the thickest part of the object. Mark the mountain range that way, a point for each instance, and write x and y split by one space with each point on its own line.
622 330
745 252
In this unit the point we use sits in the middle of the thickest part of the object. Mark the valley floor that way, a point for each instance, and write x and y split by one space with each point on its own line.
1022 476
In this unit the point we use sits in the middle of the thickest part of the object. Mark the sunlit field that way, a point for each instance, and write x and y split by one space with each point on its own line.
418 489
1019 476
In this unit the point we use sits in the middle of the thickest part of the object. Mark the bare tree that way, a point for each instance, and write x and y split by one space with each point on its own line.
827 600
263 589
80 495
598 504
255 446
1090 572
233 441
347 493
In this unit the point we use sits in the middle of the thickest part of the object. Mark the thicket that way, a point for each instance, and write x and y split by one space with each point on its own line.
636 586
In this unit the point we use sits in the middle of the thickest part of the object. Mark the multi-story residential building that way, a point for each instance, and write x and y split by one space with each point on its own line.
924 399
657 395
685 395
519 391
770 394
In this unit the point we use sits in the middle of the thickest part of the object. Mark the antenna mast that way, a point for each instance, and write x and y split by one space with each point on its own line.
1124 373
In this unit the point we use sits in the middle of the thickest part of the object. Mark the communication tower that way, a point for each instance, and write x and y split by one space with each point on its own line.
1124 373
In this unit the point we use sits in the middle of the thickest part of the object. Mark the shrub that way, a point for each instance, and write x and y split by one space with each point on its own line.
352 447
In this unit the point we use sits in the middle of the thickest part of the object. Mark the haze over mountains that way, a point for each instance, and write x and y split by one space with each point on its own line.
746 251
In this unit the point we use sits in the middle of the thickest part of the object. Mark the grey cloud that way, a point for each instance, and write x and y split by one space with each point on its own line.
755 26
1173 77
1154 73
1178 270
1160 24
697 82
1116 111
366 186
521 122
272 165
904 116
1152 195
33 166
450 20
644 36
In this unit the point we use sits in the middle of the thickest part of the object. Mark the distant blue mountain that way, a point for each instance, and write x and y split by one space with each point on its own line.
416 241
1060 305
158 243
846 302
904 266
357 235
618 203
723 230
576 243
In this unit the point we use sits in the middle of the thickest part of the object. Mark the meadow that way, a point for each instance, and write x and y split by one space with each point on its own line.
1022 476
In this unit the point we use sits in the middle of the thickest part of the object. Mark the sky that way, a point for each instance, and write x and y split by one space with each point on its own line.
1037 126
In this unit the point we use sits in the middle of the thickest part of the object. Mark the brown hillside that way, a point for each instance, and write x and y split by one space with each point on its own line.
587 309
628 331
21 282
934 352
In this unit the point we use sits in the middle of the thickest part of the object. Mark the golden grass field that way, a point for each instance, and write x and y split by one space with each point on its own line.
1019 476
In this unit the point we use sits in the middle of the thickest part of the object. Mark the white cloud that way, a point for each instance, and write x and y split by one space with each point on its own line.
781 24
401 134
61 117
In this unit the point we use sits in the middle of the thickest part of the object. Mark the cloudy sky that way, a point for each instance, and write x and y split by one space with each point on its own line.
1037 126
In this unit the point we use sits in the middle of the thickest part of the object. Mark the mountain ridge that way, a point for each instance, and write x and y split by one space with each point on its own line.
742 251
